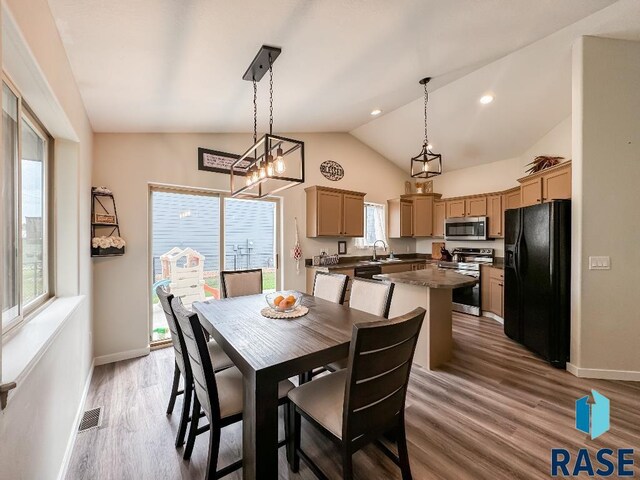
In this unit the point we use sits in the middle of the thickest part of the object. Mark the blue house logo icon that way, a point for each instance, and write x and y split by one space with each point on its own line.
593 417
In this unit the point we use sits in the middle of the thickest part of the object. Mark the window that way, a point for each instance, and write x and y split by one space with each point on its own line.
374 226
26 255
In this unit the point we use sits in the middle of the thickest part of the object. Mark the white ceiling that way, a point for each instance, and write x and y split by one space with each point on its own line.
532 89
176 65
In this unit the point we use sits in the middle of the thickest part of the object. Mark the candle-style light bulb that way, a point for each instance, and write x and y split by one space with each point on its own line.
262 172
279 163
270 165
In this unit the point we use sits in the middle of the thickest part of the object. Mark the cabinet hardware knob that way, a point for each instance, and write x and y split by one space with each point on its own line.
500 285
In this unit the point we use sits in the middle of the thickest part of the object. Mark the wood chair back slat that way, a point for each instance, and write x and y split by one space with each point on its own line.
199 360
165 302
374 396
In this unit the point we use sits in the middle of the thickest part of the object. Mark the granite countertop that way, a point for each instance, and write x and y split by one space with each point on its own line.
363 263
432 277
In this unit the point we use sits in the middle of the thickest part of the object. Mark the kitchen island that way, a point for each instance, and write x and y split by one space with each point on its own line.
430 289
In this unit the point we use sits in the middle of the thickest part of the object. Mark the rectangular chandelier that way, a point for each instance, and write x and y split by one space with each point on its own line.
271 165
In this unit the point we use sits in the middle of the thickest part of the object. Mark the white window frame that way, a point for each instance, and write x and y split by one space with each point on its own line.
362 241
27 310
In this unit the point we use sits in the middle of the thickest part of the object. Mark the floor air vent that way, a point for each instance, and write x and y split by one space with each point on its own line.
91 420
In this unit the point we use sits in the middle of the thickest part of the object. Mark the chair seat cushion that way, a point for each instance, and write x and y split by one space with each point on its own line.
230 388
323 400
219 359
339 365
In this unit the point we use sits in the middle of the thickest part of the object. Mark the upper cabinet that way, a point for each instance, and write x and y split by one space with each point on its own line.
550 184
400 218
412 216
439 216
494 215
467 207
511 199
455 208
334 213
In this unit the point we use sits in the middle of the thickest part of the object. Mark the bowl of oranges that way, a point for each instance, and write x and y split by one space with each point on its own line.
286 301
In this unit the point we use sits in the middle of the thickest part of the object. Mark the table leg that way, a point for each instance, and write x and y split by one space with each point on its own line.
260 428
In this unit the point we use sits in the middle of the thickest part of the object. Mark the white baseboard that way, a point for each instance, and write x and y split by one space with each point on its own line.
493 316
74 428
116 357
602 374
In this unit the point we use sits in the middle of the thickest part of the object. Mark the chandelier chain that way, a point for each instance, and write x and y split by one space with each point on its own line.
255 111
426 99
270 95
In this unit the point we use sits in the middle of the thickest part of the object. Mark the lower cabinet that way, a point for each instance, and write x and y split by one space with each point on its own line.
492 290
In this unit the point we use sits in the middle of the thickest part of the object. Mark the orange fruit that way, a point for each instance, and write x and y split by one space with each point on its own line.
278 299
291 299
283 304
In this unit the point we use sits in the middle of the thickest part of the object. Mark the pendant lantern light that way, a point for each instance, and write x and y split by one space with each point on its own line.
426 164
273 163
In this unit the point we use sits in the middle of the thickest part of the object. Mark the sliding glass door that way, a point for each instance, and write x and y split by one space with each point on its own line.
194 235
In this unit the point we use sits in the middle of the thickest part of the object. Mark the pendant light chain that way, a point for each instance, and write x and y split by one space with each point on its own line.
270 95
426 99
255 111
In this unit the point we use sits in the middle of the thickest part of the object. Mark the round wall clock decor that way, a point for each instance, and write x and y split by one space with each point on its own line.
332 170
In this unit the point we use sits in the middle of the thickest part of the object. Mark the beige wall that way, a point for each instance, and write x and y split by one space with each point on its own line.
128 163
606 170
39 420
497 176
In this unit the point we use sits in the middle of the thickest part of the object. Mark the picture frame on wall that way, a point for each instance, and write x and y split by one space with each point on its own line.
220 162
342 247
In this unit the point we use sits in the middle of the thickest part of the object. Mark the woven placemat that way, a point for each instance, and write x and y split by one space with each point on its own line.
300 311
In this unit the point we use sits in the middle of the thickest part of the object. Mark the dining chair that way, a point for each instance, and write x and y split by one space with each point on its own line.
182 368
358 405
368 296
220 395
236 283
330 286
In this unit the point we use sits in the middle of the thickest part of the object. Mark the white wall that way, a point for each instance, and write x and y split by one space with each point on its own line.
39 419
128 163
606 169
498 176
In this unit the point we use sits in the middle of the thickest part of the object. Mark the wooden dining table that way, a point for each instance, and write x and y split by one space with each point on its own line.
267 351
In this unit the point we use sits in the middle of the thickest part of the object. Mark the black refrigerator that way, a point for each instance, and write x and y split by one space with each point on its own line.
537 279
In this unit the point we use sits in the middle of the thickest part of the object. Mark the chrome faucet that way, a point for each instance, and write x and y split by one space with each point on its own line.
374 248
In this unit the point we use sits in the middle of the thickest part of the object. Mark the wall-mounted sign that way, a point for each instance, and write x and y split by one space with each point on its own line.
332 170
220 162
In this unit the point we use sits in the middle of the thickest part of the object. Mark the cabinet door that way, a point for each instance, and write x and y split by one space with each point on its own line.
353 215
455 208
406 219
439 215
485 288
511 199
494 215
531 192
329 214
476 207
556 185
495 296
422 216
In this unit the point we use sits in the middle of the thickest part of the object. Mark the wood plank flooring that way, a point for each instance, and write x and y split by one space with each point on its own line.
493 412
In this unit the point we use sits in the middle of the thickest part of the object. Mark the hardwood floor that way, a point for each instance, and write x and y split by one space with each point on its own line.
494 412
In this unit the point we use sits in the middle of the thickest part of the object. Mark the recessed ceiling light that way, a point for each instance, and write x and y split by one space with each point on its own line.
485 99
376 112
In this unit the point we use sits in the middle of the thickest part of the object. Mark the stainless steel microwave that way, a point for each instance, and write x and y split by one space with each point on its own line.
465 228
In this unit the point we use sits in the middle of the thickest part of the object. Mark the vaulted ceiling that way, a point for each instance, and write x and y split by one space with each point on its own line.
176 66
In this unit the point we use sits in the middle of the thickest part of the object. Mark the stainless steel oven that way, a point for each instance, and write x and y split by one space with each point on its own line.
465 228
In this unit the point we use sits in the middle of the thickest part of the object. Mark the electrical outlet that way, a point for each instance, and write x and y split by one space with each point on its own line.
599 263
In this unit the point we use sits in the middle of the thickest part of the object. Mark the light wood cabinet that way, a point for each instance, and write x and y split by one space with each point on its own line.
511 199
531 192
399 218
334 213
492 290
556 185
550 184
494 216
456 208
476 207
422 216
353 215
439 216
